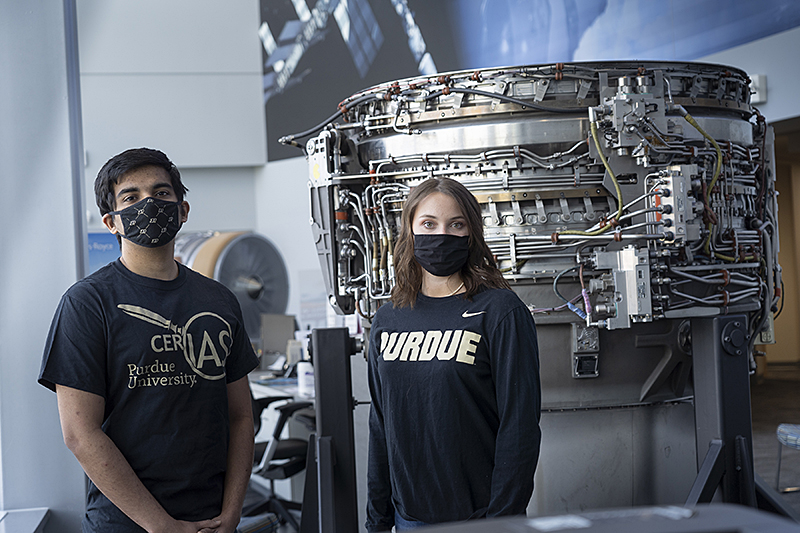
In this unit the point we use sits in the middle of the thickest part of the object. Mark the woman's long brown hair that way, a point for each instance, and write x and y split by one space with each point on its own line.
479 272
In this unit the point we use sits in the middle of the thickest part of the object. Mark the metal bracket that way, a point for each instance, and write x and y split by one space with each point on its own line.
734 338
513 248
518 219
709 477
587 202
493 212
583 89
585 348
540 89
541 210
565 215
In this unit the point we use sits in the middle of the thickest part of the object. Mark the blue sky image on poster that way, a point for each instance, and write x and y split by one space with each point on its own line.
512 32
318 52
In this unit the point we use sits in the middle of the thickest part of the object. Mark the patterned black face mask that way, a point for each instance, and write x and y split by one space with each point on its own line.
150 222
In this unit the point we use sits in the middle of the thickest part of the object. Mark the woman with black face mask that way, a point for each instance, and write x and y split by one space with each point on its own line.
453 373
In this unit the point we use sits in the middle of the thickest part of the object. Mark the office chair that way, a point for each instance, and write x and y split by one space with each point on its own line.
277 459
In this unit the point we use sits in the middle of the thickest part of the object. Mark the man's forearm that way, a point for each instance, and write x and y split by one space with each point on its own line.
240 464
112 474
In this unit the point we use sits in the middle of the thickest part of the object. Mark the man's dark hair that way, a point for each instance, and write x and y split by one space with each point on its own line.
129 160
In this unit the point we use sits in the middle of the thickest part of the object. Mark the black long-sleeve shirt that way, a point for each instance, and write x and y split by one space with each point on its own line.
454 424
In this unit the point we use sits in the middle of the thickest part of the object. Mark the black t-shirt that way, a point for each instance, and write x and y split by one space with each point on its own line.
454 422
161 354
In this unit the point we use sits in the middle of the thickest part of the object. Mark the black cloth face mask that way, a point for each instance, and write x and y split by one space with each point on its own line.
441 254
150 222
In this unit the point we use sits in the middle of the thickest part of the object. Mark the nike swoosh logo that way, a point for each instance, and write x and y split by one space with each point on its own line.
467 314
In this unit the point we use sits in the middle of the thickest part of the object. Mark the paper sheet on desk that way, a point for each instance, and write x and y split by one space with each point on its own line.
277 382
275 386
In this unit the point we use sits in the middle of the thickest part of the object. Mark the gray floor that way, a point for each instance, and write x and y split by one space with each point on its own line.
775 400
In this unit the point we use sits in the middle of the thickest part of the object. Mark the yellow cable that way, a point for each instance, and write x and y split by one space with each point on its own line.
717 170
593 128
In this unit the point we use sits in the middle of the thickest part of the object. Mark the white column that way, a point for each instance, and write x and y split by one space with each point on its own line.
40 252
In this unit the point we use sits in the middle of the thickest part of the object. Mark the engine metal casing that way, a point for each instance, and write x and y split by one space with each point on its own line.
620 200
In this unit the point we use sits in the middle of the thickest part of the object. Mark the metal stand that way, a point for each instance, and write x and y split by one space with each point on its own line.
723 419
309 516
333 446
769 499
722 411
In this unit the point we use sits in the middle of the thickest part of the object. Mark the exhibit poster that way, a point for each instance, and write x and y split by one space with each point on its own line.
316 53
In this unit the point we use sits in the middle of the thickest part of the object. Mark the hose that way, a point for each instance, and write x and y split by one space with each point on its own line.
289 140
572 307
593 128
503 97
717 169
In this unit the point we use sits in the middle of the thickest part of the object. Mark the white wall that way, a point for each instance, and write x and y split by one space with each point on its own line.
282 200
220 199
182 77
37 257
775 56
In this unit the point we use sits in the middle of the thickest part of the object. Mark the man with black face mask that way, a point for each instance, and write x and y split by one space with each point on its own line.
149 361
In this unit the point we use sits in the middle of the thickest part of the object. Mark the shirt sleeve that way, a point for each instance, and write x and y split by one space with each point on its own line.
75 349
380 509
515 371
243 358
